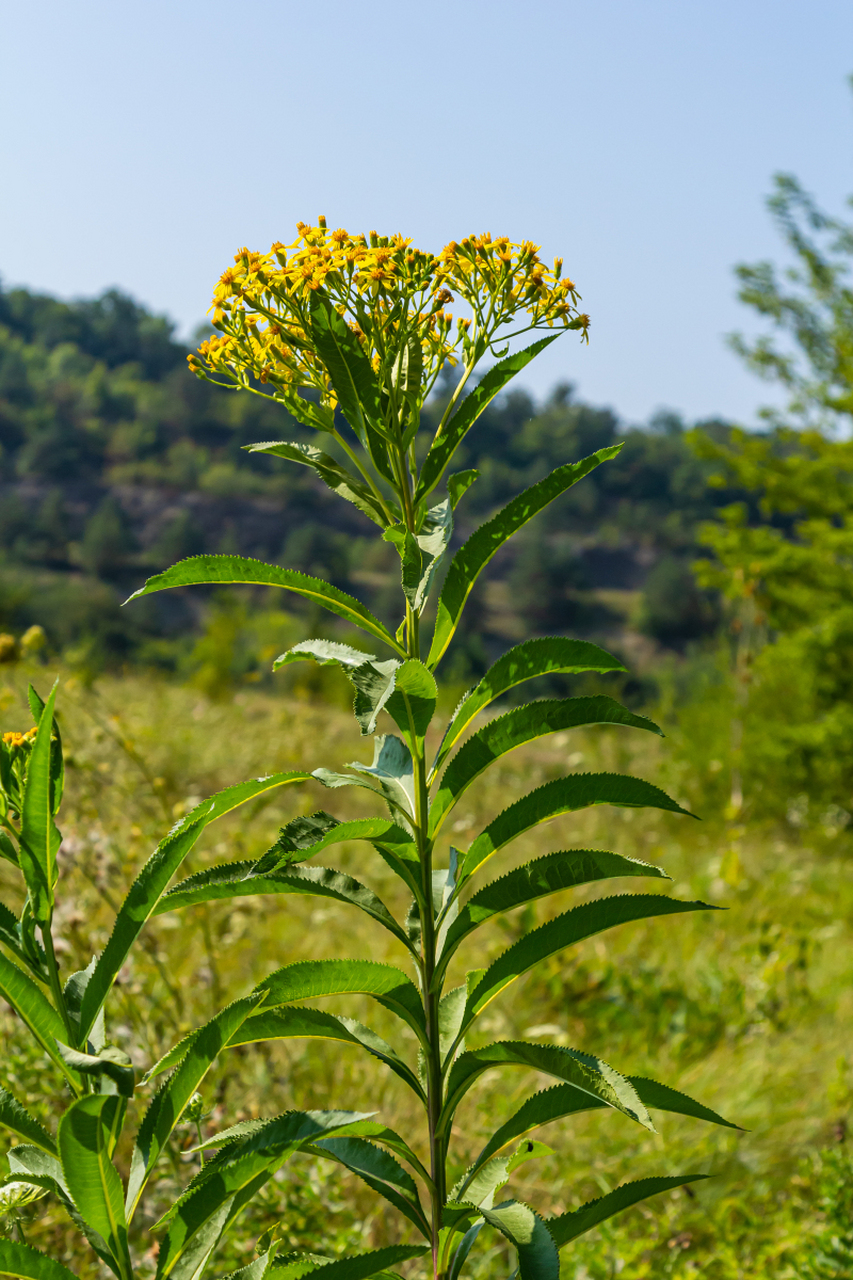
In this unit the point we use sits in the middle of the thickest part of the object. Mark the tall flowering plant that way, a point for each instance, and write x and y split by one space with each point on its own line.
349 334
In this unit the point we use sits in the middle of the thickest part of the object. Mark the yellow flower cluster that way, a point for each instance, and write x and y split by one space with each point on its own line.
389 293
14 739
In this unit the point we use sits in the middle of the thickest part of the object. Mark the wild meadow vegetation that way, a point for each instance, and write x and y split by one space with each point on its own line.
715 564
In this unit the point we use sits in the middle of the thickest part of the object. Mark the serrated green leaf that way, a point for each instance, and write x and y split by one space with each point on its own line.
478 1186
277 1135
316 1024
14 1116
360 1266
563 795
564 931
556 1103
39 838
169 1103
325 652
659 1097
226 1184
459 484
153 880
585 1072
475 403
546 875
86 1136
412 702
568 1226
333 474
198 570
547 655
475 554
110 1061
374 684
391 841
35 1010
380 1171
295 840
24 1263
308 979
353 379
514 729
537 1253
236 880
451 1010
421 553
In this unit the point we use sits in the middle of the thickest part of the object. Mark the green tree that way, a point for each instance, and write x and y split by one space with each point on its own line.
784 560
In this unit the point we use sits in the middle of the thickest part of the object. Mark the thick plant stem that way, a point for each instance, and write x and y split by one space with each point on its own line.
431 998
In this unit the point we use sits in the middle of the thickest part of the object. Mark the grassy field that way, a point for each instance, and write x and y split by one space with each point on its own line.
747 1008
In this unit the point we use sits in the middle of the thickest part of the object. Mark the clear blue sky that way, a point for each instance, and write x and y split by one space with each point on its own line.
141 144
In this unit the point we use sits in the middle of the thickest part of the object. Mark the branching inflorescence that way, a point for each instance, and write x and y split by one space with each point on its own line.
349 334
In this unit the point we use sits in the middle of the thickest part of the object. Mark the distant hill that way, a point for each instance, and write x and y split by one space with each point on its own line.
115 461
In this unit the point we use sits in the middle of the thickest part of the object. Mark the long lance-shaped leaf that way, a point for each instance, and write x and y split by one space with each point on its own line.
365 1129
445 445
556 1103
661 1098
86 1135
587 1073
563 795
234 880
352 377
516 727
379 831
564 931
198 570
547 655
546 875
337 477
380 1171
361 1266
228 1182
473 556
57 762
563 1100
170 1102
40 839
537 1253
568 1226
153 880
24 1263
307 979
35 1010
275 1138
393 844
14 1116
316 1024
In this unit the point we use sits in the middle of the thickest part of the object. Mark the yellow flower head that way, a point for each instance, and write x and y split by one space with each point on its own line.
388 292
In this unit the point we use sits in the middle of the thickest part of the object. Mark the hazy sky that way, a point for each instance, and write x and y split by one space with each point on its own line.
142 144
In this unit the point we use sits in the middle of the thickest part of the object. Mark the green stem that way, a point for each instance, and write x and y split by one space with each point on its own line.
55 984
356 461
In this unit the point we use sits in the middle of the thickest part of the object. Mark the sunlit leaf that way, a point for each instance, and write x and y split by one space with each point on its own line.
523 724
548 655
198 570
